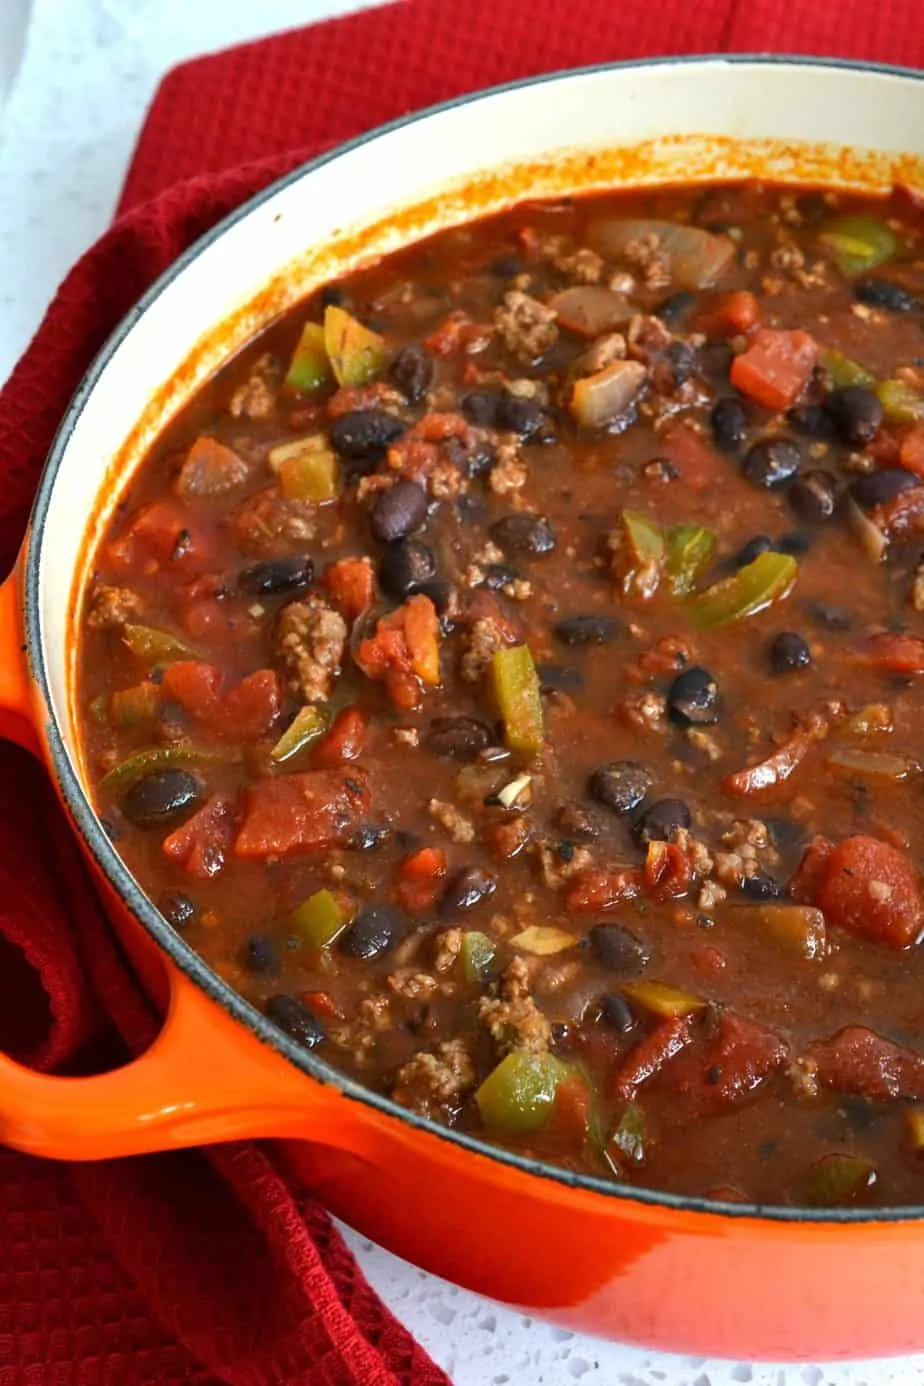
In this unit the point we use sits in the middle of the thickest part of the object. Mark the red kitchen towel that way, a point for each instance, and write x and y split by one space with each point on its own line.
206 1267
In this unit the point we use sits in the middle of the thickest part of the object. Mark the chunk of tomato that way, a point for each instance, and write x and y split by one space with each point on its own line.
872 889
776 367
302 813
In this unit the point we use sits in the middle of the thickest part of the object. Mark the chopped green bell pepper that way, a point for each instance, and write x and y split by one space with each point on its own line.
319 919
135 707
858 242
128 772
356 353
644 554
309 370
307 725
155 646
768 579
662 999
901 402
843 371
477 956
518 1095
516 687
628 1142
838 1179
689 552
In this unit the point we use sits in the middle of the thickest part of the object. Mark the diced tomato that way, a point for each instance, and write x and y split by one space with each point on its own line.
507 838
896 654
668 873
872 889
344 741
202 843
804 883
420 875
648 1057
163 535
728 315
210 469
776 367
458 333
351 583
378 395
698 463
728 1068
775 769
903 515
322 1003
911 451
570 1115
244 713
858 1061
405 648
597 889
301 813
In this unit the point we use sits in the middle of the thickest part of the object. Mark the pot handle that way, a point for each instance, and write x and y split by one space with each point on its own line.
17 713
204 1079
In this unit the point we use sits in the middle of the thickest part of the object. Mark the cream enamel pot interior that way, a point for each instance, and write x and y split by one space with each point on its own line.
677 1273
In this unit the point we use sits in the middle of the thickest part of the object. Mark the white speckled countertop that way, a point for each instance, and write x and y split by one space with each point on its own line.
71 106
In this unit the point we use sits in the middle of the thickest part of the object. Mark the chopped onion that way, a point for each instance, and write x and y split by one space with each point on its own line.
695 258
590 310
514 793
872 540
543 940
599 399
880 764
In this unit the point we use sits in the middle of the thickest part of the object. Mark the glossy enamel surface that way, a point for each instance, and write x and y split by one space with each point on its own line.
646 1268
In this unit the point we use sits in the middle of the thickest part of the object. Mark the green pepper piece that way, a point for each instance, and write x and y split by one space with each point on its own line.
307 725
356 353
844 371
319 919
858 242
135 707
155 646
518 1095
662 999
628 1142
838 1179
768 579
645 554
516 687
309 370
477 956
689 553
128 772
901 403
312 477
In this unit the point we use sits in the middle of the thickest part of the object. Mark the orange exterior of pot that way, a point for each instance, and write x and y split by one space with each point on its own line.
639 1271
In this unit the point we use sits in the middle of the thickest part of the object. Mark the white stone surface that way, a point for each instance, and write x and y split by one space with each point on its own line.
71 105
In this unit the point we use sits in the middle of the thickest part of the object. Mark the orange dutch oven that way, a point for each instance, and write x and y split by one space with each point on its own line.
649 1268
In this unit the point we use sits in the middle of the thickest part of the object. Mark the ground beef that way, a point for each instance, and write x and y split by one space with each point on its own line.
310 640
645 711
447 947
647 255
555 869
361 1034
267 525
512 1019
509 472
583 266
459 828
256 398
485 635
412 985
435 1085
603 352
108 608
528 328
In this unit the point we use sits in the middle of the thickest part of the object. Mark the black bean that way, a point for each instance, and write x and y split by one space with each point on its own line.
559 678
524 532
404 567
475 463
761 543
177 909
375 930
661 821
291 573
829 615
481 407
796 542
364 435
462 738
675 306
621 785
259 954
294 1017
161 798
771 462
680 358
813 497
715 360
466 890
812 420
398 512
789 652
693 698
618 949
412 372
497 576
616 1012
522 416
855 412
875 488
761 887
578 821
729 424
882 293
586 630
